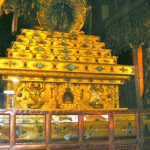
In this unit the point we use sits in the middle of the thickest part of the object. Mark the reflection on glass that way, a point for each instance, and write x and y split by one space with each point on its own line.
96 127
146 124
64 128
4 129
124 126
30 128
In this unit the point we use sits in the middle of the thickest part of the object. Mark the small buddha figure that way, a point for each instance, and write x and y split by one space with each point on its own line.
68 97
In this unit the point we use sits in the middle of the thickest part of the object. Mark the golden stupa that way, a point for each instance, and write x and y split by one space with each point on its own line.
62 70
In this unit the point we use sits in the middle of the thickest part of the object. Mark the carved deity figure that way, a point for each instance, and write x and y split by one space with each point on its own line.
95 98
35 90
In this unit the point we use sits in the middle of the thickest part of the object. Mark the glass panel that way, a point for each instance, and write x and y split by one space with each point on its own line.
64 128
4 129
30 128
96 127
146 124
124 126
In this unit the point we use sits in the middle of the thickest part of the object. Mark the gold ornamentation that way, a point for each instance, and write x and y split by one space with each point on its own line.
66 71
62 15
35 90
47 66
53 96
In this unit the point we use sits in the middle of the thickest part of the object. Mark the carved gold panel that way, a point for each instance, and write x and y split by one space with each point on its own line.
64 96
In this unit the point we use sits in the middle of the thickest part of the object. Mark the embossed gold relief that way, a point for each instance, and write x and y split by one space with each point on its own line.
65 96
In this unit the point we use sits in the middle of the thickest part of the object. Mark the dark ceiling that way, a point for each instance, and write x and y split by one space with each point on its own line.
5 34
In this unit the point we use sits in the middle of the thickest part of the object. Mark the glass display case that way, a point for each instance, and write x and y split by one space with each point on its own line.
4 129
30 128
146 124
124 126
64 128
96 127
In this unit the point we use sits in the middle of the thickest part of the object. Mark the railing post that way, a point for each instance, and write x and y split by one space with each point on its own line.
137 61
111 131
81 132
47 130
12 130
139 126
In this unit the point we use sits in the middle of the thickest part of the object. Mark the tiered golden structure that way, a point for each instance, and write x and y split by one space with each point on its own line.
66 71
58 70
71 75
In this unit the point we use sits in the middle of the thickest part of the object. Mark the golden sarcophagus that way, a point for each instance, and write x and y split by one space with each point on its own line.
58 70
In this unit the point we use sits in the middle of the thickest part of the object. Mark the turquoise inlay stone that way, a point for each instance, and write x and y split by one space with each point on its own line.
67 58
87 59
71 67
115 95
64 44
40 65
40 48
112 81
66 51
45 56
30 41
99 68
36 34
87 40
88 52
67 79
